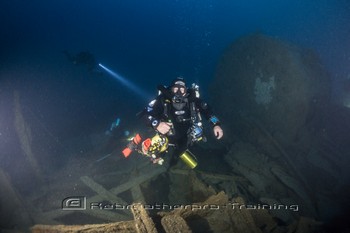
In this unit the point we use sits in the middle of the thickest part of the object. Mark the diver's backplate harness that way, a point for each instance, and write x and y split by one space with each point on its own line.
196 130
179 103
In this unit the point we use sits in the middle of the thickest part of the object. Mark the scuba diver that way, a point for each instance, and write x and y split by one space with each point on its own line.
84 58
115 130
175 115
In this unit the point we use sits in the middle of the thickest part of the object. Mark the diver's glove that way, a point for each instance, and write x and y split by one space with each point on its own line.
164 127
218 132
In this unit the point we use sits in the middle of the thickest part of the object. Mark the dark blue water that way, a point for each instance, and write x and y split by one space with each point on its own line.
147 42
152 42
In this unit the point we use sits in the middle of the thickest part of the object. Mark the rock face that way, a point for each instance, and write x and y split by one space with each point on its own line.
281 85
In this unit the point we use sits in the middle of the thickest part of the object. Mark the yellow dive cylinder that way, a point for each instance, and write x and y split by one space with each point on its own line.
188 158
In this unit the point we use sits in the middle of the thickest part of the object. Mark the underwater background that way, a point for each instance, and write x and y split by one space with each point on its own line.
154 41
53 111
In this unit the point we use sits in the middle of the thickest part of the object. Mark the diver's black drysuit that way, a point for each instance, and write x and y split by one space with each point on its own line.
167 107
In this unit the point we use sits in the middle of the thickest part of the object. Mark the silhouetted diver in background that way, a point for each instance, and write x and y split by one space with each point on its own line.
84 58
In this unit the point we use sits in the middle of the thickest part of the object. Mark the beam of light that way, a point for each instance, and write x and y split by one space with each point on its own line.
125 82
